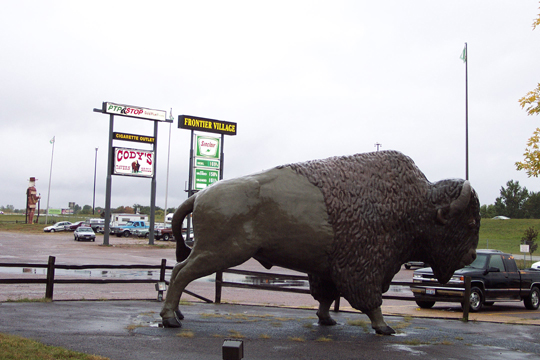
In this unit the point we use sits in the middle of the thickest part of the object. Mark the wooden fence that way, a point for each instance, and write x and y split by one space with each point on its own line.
50 280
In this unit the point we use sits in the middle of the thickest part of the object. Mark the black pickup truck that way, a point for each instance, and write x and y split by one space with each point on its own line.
494 277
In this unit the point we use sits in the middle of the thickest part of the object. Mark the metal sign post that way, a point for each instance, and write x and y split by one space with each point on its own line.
114 167
203 169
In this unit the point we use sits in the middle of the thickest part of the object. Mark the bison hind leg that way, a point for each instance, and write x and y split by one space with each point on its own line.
377 322
325 292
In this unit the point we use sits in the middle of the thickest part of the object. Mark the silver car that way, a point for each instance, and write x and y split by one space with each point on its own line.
84 233
59 226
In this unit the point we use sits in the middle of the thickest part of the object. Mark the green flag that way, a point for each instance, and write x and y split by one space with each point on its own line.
464 54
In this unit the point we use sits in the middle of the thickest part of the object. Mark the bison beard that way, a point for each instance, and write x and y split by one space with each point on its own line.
377 211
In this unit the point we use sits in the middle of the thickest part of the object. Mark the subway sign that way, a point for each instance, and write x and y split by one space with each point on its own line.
209 125
134 111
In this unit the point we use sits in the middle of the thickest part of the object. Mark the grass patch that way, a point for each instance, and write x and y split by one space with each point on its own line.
364 324
27 300
297 339
324 339
235 334
414 342
264 336
504 235
186 334
19 348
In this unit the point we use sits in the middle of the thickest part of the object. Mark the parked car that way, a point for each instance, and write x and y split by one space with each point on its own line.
73 226
494 277
59 226
164 233
84 233
142 232
419 264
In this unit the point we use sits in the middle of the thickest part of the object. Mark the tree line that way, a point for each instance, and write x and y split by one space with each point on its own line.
515 202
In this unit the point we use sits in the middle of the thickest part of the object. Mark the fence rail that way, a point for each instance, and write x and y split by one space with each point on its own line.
50 280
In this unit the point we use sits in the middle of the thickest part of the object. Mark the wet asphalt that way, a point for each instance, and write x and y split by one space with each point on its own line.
129 329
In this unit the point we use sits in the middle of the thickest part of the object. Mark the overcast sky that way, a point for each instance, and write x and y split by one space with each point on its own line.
302 79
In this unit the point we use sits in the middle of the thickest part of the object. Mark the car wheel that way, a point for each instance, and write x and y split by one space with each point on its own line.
425 304
126 233
75 238
475 300
52 230
532 301
166 237
408 267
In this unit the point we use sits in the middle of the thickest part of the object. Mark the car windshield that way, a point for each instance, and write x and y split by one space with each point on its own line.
480 261
85 229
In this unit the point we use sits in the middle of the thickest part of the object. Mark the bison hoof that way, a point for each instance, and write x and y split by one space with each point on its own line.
179 315
171 323
327 322
387 330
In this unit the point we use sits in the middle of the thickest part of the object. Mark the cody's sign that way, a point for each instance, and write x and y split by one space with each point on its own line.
134 111
133 162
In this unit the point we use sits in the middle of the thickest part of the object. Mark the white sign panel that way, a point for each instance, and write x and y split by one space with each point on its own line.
134 111
133 162
524 248
207 147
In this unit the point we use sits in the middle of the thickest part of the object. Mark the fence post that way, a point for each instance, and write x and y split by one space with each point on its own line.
219 285
50 278
336 303
162 278
466 299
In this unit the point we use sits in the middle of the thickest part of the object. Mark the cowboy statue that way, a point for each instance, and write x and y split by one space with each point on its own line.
31 200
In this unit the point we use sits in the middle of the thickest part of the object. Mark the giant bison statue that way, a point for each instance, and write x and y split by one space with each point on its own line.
349 222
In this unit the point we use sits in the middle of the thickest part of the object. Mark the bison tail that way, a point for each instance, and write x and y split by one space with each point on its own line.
182 251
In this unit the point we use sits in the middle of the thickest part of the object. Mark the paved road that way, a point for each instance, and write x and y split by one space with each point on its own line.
279 326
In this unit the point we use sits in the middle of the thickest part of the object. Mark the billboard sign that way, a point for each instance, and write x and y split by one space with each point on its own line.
209 125
132 137
134 111
206 163
207 147
133 162
205 178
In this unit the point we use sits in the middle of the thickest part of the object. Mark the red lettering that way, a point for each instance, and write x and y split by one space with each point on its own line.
149 159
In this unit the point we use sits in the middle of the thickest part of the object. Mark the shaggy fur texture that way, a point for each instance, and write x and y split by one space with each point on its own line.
383 213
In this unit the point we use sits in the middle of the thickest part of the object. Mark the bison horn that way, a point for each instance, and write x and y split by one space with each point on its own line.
458 204
463 200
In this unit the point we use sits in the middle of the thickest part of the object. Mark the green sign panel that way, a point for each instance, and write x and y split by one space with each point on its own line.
207 147
206 163
205 178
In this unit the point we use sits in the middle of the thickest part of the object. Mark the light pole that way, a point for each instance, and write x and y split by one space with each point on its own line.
94 201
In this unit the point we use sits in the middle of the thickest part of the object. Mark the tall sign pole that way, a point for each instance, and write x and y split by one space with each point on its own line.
465 60
131 162
208 167
107 228
50 178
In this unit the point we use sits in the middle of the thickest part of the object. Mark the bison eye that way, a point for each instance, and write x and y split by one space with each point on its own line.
472 223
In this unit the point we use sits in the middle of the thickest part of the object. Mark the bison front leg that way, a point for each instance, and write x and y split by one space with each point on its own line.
378 323
325 292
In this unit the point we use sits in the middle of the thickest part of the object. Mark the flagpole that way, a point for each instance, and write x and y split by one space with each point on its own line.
168 159
50 176
466 113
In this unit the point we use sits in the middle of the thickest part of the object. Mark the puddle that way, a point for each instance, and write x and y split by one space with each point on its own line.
270 280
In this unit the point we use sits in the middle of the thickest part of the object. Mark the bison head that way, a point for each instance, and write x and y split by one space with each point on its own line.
458 225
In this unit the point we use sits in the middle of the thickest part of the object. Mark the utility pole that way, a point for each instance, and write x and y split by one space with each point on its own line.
377 145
